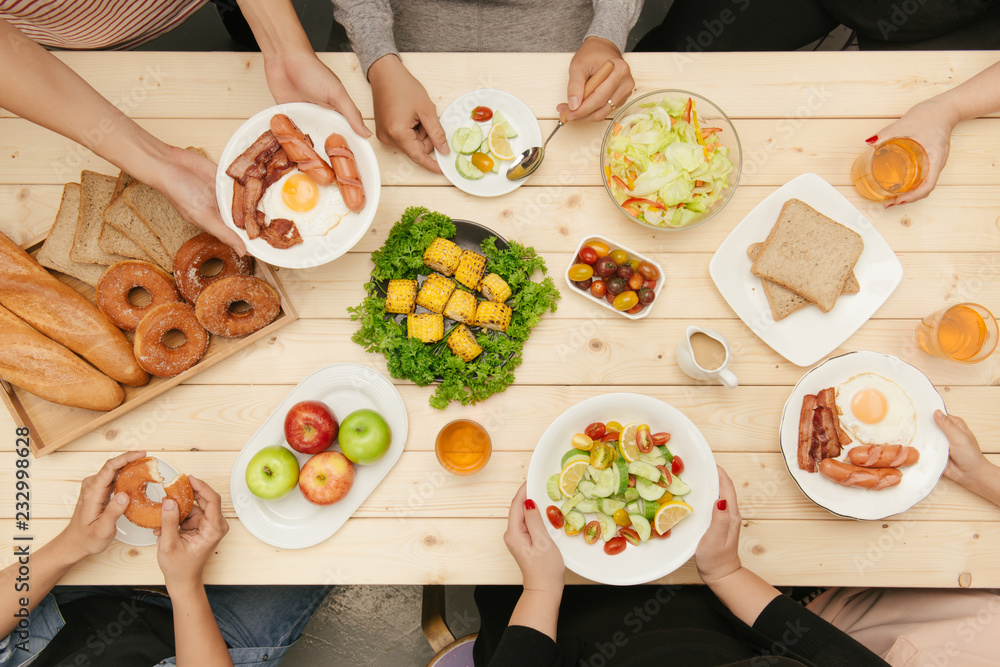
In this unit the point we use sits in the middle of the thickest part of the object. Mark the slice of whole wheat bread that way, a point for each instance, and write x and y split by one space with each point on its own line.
809 253
96 191
784 301
119 215
54 253
159 215
112 239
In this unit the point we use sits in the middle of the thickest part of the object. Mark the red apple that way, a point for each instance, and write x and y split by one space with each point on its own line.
326 478
310 427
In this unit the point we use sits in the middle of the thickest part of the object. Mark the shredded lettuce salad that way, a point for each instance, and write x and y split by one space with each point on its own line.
663 167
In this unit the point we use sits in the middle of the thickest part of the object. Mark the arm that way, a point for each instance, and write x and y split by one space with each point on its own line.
294 72
181 552
967 465
369 27
89 532
38 87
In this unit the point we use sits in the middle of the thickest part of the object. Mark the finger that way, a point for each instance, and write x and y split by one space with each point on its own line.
952 426
415 151
727 492
116 507
574 90
535 524
432 125
515 516
217 228
598 100
620 98
208 499
169 520
98 487
916 195
350 111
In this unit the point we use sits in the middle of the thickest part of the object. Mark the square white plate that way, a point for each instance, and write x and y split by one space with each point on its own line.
807 335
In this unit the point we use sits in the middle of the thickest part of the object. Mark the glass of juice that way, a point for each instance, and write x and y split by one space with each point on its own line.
894 167
463 447
966 333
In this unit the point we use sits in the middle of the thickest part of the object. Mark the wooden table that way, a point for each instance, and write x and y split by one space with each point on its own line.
795 113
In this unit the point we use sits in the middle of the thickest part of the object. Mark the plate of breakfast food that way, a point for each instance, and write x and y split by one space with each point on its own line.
626 484
298 185
858 435
487 131
805 269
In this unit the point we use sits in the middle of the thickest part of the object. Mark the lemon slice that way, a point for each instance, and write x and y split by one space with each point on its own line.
571 476
626 443
670 514
499 145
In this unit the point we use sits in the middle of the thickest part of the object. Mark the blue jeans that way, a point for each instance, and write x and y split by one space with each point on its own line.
260 623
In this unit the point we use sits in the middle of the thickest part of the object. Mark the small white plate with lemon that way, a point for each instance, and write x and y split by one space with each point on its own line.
495 144
653 558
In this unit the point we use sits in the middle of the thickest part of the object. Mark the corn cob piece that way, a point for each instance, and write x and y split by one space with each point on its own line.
471 268
443 255
434 293
463 343
494 288
493 315
461 307
401 296
425 327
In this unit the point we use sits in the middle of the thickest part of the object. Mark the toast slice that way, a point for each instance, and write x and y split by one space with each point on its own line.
119 216
784 301
54 253
809 253
114 241
153 209
96 191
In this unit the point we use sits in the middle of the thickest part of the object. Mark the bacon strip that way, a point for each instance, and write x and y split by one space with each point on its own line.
827 398
256 155
806 461
238 192
281 233
253 191
277 166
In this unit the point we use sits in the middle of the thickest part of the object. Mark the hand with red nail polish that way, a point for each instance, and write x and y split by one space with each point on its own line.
717 555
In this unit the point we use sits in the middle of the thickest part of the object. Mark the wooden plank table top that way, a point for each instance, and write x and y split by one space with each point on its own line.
795 113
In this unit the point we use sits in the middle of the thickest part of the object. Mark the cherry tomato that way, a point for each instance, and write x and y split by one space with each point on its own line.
595 430
598 288
482 114
580 272
622 519
635 282
648 271
665 478
588 255
625 300
630 535
662 536
591 532
665 498
637 308
482 162
620 257
677 467
610 436
584 284
570 530
605 267
646 295
625 271
648 284
614 426
601 247
615 545
644 439
634 263
661 438
555 516
583 441
616 285
610 297
601 456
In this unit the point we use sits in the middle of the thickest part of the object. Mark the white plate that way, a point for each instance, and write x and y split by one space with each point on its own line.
319 123
134 535
807 335
459 114
660 282
655 558
918 480
292 522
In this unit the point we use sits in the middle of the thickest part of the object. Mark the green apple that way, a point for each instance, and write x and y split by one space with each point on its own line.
364 436
272 472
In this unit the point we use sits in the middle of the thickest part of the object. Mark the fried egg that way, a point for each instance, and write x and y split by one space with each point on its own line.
876 410
315 209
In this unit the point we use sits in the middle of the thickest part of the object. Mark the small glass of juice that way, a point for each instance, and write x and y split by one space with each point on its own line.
463 447
966 332
894 167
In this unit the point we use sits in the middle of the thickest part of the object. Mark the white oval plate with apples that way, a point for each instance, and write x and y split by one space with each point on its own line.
292 522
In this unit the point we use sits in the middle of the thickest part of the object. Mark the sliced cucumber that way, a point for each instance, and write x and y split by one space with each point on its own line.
578 521
574 455
666 453
607 483
610 505
678 487
586 487
641 526
653 458
571 503
593 473
509 130
649 509
552 488
608 526
630 494
587 506
496 165
467 170
642 469
458 138
622 472
472 142
649 490
634 507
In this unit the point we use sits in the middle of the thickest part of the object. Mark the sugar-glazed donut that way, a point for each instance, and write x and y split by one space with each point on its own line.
215 301
193 256
153 354
143 512
121 278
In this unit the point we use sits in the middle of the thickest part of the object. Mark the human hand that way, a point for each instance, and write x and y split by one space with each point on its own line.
302 77
617 88
965 456
718 554
930 123
532 547
92 527
182 550
405 117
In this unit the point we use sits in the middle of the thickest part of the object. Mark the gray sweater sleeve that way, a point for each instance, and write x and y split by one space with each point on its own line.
613 19
369 27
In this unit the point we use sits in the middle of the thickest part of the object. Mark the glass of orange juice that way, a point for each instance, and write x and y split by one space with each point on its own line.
894 167
463 447
966 332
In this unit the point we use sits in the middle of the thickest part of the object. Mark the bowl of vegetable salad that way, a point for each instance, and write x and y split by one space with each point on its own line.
671 159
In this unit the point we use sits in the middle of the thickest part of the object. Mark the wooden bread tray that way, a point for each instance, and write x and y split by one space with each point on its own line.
53 426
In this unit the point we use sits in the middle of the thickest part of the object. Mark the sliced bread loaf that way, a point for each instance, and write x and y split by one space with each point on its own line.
120 215
784 301
54 253
96 191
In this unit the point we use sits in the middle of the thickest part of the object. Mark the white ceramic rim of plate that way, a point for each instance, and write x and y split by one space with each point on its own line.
457 114
636 565
323 521
929 438
313 251
127 532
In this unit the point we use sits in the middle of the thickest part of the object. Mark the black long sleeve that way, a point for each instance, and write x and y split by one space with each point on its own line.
523 646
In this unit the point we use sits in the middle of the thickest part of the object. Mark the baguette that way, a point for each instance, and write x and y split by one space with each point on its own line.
64 315
48 370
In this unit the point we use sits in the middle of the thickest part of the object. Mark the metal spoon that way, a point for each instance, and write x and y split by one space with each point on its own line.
532 158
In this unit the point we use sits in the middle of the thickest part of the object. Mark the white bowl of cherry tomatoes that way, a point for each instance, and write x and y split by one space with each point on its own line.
618 278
